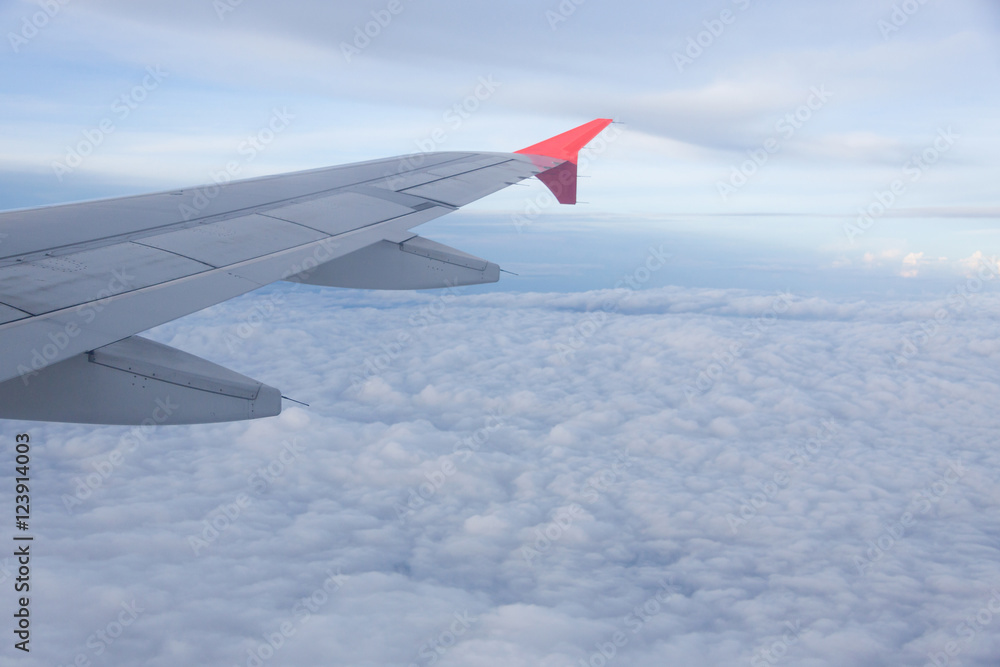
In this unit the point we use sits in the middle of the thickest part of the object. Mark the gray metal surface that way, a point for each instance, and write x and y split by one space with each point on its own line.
54 229
55 283
467 187
137 381
442 253
155 361
94 273
341 212
416 263
232 241
8 314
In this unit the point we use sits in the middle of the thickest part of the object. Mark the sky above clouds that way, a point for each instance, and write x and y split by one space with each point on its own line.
775 447
701 91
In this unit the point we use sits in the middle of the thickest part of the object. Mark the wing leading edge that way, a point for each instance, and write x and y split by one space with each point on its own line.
79 281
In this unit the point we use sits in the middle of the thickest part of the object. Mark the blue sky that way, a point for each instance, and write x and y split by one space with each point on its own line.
889 84
776 447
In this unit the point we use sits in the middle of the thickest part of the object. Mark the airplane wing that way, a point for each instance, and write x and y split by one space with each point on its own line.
79 281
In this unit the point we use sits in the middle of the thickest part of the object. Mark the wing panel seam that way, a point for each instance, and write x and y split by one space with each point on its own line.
177 254
446 178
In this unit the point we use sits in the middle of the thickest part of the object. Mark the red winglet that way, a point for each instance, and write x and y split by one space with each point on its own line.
562 179
567 145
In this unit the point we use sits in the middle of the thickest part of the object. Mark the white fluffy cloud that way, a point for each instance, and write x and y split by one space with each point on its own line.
697 475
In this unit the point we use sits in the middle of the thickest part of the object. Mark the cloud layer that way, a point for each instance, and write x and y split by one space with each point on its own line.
682 475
